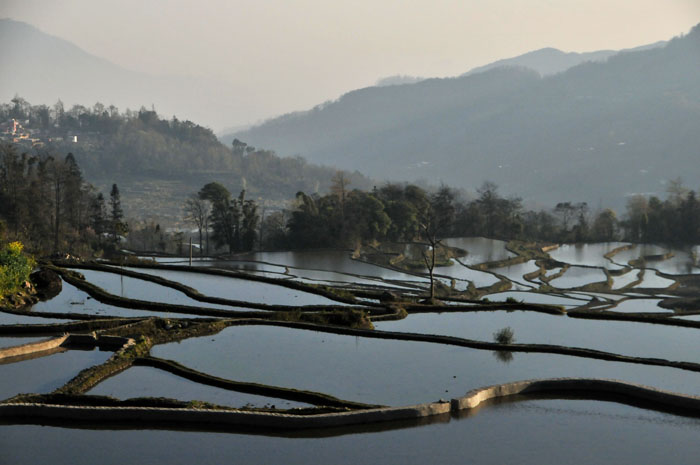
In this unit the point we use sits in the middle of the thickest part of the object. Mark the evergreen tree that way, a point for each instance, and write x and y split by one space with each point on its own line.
118 226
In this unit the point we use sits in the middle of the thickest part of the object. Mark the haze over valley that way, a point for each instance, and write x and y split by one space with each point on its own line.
302 231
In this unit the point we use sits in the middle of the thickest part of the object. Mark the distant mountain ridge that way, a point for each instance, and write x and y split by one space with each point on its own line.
596 132
548 61
43 68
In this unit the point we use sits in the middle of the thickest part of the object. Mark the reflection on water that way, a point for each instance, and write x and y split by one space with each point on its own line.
538 298
151 382
461 272
516 272
329 260
386 371
73 300
627 338
17 341
480 249
133 288
12 319
240 289
586 254
43 375
537 432
577 276
652 280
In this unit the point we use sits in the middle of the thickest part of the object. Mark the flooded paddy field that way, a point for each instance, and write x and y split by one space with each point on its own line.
151 382
587 254
73 300
299 350
621 337
406 373
44 374
536 432
239 289
16 341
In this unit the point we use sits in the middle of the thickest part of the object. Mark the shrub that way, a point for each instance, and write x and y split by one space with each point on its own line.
14 268
504 335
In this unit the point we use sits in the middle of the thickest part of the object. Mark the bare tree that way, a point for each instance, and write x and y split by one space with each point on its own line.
197 213
434 222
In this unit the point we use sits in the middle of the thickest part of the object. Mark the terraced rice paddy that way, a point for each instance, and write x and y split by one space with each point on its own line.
282 348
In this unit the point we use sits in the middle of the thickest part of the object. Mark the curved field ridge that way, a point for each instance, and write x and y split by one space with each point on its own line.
45 345
689 404
239 418
622 391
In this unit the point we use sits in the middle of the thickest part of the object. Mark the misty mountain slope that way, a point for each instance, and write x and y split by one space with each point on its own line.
43 68
377 109
597 132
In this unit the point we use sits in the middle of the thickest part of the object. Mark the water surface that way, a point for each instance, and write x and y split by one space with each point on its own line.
141 381
586 254
387 372
480 249
537 432
621 337
44 374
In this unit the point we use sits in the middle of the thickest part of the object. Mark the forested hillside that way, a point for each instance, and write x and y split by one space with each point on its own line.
165 159
597 132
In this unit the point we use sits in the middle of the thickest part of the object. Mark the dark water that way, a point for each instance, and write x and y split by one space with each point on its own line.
234 289
385 371
12 319
626 338
139 289
7 341
73 300
43 375
151 382
538 432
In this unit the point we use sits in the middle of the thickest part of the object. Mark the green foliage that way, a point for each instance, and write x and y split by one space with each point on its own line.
234 221
120 146
44 201
15 267
504 335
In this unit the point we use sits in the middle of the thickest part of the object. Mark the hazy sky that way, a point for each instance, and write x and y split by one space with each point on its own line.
292 54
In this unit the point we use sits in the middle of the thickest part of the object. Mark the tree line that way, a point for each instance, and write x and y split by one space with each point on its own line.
405 212
233 220
46 203
141 143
